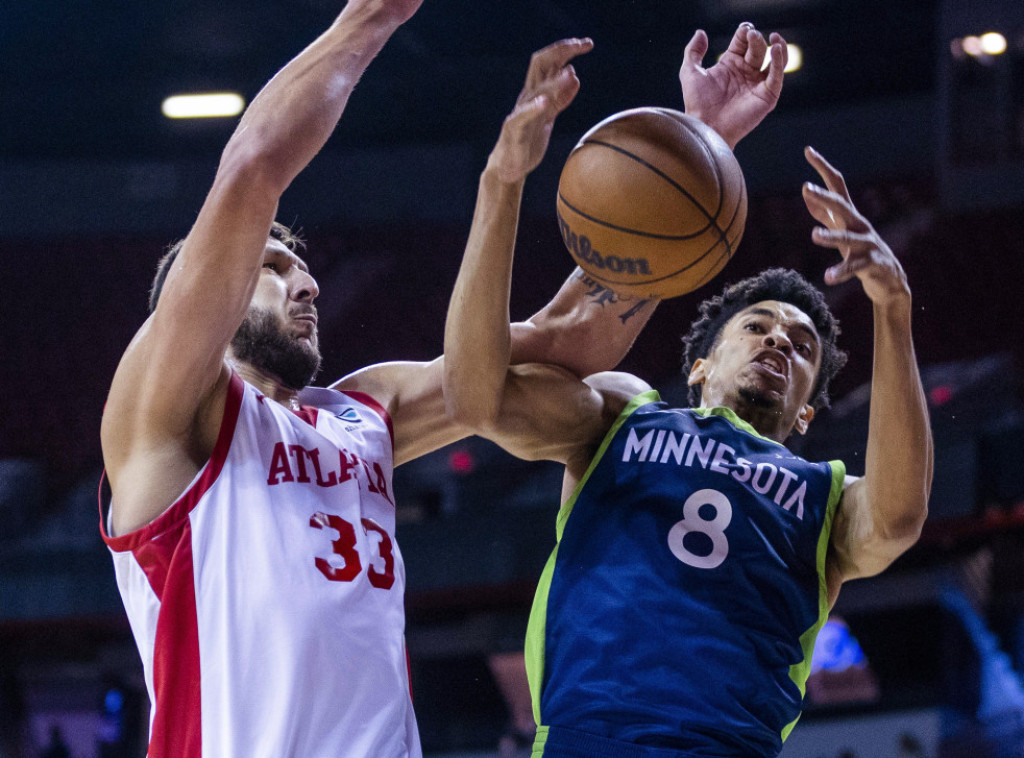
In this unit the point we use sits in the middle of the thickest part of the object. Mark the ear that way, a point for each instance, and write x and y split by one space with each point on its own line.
698 372
803 419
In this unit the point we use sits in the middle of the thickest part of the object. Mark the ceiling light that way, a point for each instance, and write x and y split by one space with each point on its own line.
993 43
205 105
972 45
794 60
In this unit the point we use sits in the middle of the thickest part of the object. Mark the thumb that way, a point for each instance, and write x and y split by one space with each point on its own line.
696 49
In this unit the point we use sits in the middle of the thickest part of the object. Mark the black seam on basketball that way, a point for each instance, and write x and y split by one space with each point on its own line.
636 232
710 216
718 179
712 219
723 240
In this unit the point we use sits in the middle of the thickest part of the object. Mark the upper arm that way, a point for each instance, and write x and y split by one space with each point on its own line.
547 413
166 398
862 544
411 393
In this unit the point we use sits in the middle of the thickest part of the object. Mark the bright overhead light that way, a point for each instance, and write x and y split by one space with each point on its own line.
205 105
972 45
796 57
993 43
794 60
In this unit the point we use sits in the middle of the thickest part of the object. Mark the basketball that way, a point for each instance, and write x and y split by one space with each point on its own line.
651 203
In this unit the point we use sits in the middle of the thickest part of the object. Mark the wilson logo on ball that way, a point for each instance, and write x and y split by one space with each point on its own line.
582 249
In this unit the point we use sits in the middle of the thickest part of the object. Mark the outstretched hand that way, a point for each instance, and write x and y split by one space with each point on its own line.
551 84
865 254
734 95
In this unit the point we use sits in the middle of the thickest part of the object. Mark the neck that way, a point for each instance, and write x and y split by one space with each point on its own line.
767 421
268 384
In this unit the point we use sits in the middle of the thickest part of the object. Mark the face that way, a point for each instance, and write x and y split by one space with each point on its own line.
765 363
279 333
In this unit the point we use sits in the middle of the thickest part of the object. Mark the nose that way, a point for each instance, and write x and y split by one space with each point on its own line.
779 341
305 289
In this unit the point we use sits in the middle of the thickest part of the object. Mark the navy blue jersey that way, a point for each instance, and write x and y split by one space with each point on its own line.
679 608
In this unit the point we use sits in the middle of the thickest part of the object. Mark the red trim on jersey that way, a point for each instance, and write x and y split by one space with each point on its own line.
408 668
373 405
155 535
177 720
307 413
163 550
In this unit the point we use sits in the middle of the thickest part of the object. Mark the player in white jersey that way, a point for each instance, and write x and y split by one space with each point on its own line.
252 518
270 593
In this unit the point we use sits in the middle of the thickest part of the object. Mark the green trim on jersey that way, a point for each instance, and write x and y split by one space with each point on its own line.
537 751
537 627
800 671
730 415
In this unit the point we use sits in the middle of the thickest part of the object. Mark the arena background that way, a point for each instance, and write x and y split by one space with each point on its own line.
94 182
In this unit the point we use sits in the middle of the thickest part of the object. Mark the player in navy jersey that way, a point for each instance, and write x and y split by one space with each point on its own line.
697 557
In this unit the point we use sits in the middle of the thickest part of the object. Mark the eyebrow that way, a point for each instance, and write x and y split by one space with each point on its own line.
795 325
296 260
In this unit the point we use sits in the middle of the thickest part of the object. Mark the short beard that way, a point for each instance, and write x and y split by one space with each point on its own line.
758 399
261 343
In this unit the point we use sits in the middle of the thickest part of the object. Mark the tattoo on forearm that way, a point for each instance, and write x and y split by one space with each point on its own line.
624 317
602 296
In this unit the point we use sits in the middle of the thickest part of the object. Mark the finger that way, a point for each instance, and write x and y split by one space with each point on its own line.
696 49
550 59
777 67
830 175
842 239
831 209
738 43
847 269
756 49
561 88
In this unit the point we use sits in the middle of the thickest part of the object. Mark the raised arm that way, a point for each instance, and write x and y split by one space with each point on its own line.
881 514
585 329
167 396
734 95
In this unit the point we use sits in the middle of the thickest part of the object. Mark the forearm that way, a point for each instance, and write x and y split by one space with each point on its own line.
477 340
292 117
586 328
899 458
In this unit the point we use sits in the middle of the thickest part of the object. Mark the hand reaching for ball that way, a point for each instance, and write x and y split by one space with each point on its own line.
551 85
865 254
734 95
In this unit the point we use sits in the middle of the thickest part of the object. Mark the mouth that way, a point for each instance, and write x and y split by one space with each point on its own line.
772 362
309 316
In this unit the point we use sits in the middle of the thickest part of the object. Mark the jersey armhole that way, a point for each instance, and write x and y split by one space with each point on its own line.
179 510
373 405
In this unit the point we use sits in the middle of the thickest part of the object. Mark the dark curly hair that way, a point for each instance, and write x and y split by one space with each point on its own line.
784 285
278 231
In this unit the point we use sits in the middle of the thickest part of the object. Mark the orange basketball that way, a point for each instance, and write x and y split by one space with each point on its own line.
652 203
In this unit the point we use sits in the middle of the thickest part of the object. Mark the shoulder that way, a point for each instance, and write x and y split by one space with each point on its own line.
617 384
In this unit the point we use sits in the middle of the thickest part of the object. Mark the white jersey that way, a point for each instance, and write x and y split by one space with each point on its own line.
267 601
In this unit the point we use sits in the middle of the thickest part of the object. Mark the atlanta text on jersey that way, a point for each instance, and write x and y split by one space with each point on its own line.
295 463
